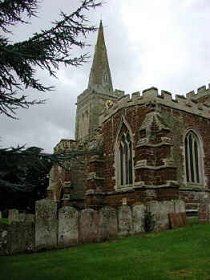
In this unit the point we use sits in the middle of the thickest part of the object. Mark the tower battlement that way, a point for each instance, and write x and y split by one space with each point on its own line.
193 102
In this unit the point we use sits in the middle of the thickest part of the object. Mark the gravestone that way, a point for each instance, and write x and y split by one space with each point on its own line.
4 239
13 215
88 225
179 206
125 226
107 223
138 212
177 220
21 237
160 211
46 224
204 211
68 226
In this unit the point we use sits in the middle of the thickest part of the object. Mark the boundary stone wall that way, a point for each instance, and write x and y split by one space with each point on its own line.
65 227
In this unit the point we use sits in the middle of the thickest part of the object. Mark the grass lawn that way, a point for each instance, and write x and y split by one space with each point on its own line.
176 254
4 221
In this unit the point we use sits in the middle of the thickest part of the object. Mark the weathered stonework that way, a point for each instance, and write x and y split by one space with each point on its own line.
13 215
160 211
88 226
179 206
46 226
67 226
125 224
177 220
17 237
138 212
21 236
68 220
4 239
204 211
107 223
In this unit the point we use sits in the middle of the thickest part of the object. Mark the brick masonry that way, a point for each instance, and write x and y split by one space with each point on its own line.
157 124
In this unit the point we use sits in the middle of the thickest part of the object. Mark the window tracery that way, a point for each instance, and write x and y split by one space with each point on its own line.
125 158
193 158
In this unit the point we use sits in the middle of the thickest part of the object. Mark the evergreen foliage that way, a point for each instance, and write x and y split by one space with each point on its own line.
46 50
23 176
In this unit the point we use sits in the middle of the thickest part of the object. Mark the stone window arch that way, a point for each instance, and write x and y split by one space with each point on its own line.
193 158
105 78
124 158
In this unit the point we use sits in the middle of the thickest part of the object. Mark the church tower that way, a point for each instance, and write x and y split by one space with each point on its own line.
91 102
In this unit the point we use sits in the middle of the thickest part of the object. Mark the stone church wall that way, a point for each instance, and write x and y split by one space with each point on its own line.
65 227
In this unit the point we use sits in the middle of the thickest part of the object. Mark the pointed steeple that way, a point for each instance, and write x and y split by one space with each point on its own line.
100 76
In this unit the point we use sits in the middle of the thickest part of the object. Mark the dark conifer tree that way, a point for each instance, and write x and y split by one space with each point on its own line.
23 172
46 49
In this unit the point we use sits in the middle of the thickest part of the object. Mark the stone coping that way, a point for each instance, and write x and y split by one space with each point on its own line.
188 104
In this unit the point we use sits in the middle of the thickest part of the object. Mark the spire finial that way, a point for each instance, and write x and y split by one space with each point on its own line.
100 76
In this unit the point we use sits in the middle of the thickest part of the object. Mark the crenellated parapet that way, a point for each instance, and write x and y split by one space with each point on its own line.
65 145
193 102
201 92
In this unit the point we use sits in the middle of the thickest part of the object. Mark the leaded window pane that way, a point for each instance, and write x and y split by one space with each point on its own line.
193 161
125 165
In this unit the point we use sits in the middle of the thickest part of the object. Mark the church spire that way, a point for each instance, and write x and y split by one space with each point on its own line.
100 76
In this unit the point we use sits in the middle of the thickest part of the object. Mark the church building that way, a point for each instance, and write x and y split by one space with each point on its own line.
133 149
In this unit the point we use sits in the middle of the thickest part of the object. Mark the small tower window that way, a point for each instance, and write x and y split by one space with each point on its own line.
125 159
105 78
193 158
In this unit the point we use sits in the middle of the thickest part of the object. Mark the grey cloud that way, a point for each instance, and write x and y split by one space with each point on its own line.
186 36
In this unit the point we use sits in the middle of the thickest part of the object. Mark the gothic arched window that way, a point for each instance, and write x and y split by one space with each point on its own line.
193 158
124 158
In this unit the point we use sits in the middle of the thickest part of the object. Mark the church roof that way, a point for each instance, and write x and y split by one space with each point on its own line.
100 75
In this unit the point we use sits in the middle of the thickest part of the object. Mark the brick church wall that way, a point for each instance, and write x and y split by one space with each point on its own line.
178 122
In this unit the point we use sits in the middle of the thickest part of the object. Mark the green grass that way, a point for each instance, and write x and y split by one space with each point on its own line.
4 221
176 254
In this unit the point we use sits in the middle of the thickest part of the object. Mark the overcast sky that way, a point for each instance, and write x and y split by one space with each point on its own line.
162 43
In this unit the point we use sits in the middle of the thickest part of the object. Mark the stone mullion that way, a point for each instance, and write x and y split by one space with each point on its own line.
127 162
124 165
194 160
189 160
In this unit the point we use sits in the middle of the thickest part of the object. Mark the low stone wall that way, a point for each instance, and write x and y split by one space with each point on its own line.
64 227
